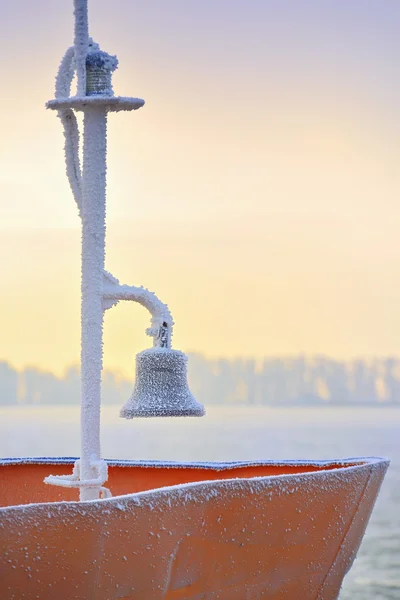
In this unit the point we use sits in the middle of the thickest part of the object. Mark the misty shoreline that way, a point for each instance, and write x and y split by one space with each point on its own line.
274 382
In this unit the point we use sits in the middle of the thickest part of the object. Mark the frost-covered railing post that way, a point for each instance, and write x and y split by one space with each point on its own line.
161 386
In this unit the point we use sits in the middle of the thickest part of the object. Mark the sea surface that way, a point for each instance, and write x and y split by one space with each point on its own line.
244 433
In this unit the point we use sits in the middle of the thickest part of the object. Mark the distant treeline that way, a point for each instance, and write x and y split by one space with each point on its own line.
279 381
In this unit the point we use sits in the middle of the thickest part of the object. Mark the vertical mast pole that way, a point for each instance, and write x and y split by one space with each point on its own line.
81 42
93 256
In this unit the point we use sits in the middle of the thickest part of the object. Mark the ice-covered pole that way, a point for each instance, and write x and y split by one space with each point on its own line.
81 42
93 256
93 189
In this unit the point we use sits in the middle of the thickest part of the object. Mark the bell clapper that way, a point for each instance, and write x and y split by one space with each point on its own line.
163 335
161 387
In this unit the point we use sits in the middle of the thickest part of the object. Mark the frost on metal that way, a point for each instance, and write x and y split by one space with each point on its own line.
161 387
75 481
287 536
81 42
161 318
99 66
320 465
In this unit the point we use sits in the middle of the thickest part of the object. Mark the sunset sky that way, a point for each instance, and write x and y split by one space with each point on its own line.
257 192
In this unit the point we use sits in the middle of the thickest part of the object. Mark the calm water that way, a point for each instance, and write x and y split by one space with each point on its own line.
245 433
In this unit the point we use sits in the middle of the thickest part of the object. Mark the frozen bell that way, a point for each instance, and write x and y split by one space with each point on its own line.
161 388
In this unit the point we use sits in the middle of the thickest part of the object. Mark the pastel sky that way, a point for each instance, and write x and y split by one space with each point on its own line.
257 192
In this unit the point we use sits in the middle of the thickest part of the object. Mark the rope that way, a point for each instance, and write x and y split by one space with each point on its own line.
70 126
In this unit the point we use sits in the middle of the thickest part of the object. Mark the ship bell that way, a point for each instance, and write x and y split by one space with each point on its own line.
161 388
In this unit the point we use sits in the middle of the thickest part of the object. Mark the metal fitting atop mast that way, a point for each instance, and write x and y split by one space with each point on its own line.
99 69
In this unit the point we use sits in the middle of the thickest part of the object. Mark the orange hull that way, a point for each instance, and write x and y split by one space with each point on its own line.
235 531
